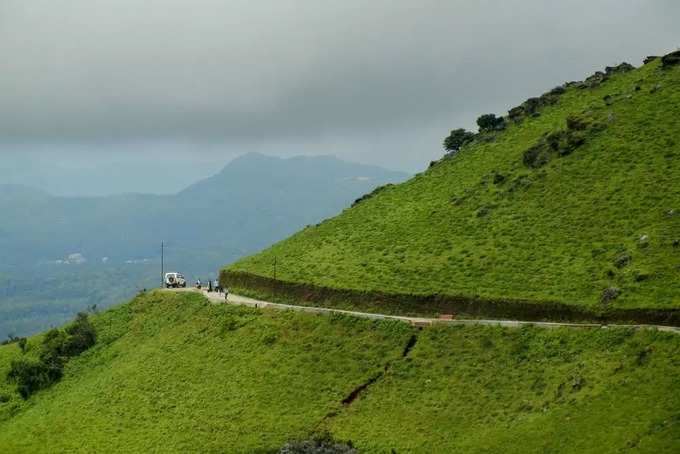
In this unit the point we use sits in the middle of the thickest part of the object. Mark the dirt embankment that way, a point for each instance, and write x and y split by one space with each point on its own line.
412 304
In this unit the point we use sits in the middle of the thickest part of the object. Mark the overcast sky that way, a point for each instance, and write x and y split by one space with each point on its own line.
95 85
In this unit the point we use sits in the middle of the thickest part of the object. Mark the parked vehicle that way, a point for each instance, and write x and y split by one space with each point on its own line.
175 280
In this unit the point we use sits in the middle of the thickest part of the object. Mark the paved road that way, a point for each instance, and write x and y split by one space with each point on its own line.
218 298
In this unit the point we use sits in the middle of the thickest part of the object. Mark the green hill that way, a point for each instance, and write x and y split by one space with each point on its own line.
572 211
171 373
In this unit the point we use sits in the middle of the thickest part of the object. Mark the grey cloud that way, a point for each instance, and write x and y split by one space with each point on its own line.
300 74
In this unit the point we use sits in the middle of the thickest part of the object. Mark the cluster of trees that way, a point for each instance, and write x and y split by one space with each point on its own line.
490 122
457 139
460 137
58 346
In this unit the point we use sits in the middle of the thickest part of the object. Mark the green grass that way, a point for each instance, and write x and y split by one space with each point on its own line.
546 234
170 370
172 373
480 389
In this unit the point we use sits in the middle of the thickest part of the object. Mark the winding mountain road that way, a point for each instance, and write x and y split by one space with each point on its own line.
218 298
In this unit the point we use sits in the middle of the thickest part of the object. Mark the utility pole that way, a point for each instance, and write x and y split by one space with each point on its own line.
162 263
274 267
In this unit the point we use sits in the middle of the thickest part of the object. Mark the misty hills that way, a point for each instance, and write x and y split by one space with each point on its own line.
253 201
114 241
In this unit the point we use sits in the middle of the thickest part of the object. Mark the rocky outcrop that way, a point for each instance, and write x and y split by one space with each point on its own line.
594 80
622 68
599 77
609 294
561 143
671 59
532 106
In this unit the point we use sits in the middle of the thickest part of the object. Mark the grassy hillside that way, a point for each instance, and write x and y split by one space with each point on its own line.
577 203
172 373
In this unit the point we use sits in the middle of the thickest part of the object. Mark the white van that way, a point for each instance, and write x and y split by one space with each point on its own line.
174 280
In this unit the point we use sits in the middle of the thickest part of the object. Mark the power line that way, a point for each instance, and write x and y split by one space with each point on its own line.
162 263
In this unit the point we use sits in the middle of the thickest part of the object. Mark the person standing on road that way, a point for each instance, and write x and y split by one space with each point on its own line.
217 286
226 293
210 287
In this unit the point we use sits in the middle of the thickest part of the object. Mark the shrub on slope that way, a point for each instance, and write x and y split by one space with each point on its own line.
34 372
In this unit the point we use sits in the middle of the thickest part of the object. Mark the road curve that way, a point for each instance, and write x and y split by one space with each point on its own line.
218 298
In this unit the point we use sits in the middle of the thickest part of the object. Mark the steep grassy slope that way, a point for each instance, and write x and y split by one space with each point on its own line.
524 391
496 222
171 373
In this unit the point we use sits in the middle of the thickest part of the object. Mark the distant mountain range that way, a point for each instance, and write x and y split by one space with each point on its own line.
254 201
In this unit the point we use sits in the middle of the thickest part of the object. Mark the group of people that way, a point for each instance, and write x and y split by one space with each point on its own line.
213 286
